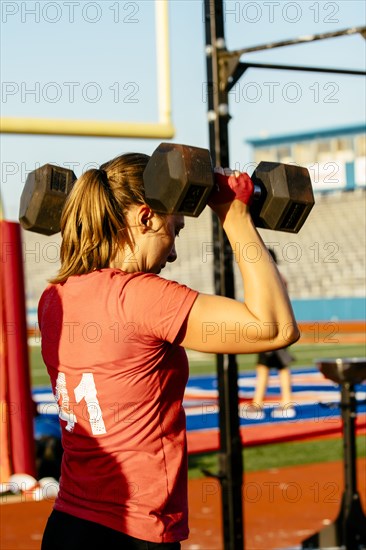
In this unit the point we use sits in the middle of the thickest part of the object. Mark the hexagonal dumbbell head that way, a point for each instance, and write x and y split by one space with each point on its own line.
286 196
43 198
178 179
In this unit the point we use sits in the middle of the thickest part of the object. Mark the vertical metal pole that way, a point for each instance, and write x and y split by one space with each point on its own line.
348 405
230 454
350 512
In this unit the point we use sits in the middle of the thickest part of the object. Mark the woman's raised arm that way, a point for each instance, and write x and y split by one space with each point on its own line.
263 318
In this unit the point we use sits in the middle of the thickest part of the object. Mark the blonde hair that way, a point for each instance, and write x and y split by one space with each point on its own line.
94 215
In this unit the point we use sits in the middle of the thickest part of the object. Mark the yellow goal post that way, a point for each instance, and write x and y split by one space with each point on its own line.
162 129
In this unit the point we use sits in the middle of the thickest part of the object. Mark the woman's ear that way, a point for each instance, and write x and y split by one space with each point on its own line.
144 217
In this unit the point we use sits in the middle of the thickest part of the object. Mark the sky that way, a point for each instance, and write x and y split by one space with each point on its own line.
96 60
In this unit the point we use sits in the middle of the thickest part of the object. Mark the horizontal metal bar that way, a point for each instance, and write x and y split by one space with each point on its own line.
299 40
242 67
92 128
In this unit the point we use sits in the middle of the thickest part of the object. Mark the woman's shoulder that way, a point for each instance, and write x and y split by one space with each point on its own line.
115 279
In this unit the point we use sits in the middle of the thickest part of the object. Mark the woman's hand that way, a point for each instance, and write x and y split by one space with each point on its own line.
230 185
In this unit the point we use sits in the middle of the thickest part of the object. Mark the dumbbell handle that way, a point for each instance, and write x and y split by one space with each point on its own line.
257 191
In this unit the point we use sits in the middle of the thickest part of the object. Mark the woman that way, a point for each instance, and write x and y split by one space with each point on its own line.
113 333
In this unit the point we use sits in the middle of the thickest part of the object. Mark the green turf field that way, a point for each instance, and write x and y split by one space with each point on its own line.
279 455
305 355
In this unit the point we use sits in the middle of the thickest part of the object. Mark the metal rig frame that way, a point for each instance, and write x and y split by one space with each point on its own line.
224 69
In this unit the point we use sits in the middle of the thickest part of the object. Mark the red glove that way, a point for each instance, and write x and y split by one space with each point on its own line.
231 187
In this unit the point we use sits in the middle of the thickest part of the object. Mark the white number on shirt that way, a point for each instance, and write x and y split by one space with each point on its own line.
84 390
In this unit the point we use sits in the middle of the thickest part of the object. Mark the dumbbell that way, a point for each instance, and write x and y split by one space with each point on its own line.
43 197
178 179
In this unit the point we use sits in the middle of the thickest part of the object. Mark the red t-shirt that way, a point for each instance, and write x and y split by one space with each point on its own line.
119 379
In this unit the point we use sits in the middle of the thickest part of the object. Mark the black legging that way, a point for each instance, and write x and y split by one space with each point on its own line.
65 532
